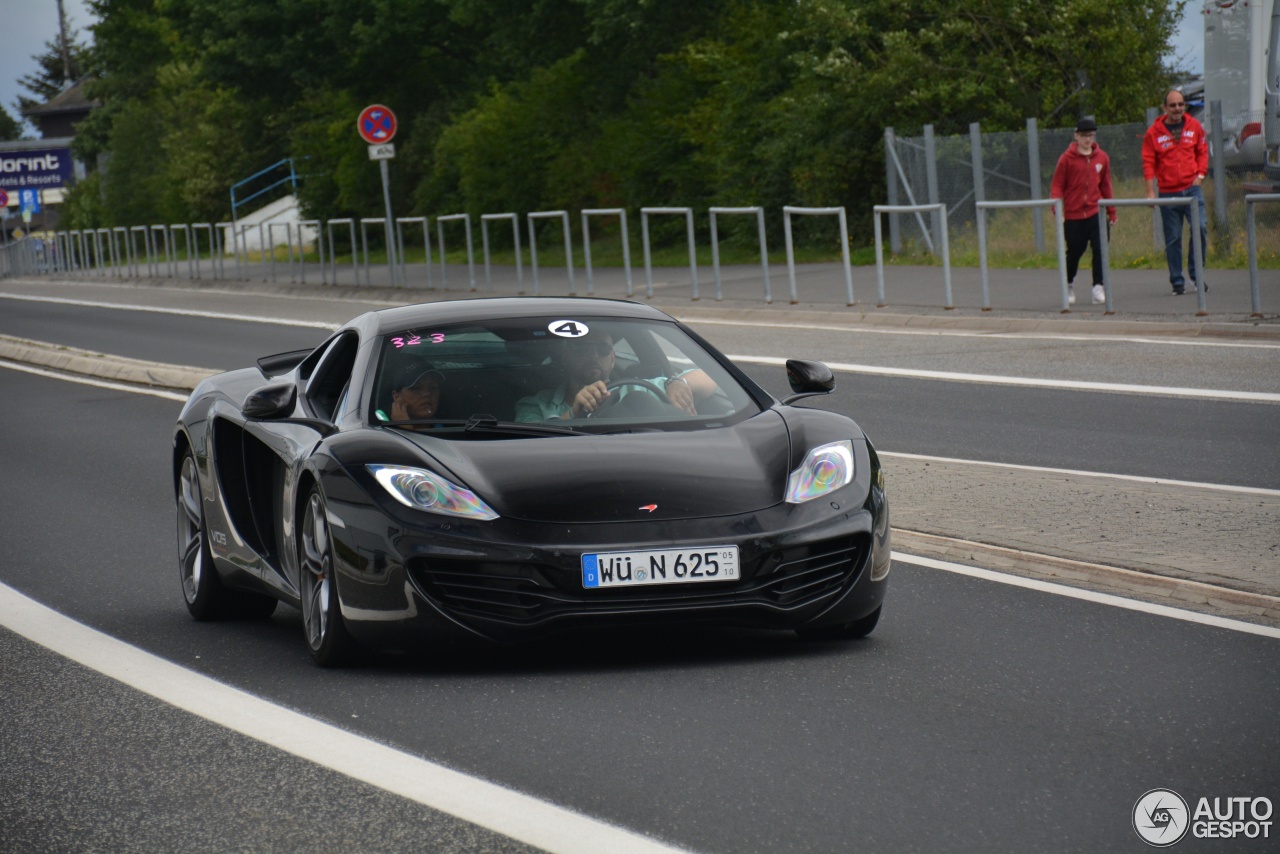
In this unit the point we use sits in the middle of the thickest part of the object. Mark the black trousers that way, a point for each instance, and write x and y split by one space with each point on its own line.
1080 233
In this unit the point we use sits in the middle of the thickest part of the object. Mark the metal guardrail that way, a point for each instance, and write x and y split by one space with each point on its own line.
471 258
485 219
940 212
1168 201
124 251
1056 204
787 213
687 213
586 245
764 248
563 216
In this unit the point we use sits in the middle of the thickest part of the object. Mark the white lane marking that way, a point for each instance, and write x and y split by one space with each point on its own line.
227 292
471 799
1089 595
182 312
83 380
958 333
1031 382
1221 487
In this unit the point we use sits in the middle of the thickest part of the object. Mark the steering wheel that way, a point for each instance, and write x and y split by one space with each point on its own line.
648 385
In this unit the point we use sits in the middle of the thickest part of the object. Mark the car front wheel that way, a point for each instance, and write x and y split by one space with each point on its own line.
327 637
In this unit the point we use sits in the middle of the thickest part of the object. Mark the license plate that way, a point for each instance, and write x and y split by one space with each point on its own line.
660 566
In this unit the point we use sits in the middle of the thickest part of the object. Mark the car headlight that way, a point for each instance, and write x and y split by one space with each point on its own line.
423 490
825 469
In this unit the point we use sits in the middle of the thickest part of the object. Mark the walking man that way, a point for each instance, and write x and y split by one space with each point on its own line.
1082 176
1175 157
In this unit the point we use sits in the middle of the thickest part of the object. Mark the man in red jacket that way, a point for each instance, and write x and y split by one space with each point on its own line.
1082 176
1175 155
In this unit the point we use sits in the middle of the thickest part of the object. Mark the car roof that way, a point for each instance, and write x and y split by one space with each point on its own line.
455 311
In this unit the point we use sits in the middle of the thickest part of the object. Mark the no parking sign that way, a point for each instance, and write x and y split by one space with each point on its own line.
376 124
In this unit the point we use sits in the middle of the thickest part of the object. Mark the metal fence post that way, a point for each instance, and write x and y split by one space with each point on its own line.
975 158
1249 201
891 186
931 173
1037 191
1218 164
485 219
1157 226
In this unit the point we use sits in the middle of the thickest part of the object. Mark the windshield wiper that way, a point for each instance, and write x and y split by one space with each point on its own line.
488 424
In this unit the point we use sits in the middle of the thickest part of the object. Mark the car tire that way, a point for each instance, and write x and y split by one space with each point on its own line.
843 631
327 637
206 597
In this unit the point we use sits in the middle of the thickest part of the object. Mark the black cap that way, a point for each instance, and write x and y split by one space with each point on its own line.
1086 126
410 374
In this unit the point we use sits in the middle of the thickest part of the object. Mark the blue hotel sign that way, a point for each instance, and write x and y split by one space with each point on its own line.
42 168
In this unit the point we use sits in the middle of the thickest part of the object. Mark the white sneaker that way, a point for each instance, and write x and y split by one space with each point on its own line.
1099 295
1071 294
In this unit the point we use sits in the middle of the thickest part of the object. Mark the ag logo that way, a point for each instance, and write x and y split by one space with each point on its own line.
1161 818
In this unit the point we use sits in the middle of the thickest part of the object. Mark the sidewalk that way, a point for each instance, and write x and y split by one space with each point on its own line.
1205 549
1137 295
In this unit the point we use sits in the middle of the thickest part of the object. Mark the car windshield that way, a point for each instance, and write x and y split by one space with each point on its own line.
469 379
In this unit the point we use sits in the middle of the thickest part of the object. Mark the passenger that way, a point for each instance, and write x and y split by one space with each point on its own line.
586 366
415 394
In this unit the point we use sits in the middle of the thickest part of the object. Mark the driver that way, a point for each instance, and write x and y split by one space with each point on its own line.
415 394
586 366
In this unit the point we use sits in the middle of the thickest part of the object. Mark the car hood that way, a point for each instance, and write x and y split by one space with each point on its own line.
628 476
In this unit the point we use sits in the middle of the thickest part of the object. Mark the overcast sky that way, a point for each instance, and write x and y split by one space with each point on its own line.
25 25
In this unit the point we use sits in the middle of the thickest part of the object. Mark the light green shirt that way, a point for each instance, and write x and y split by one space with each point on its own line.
550 403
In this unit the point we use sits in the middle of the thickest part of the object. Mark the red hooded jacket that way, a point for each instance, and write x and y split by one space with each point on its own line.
1080 180
1175 163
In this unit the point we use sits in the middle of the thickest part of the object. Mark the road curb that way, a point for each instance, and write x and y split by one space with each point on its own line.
1172 591
117 368
1247 330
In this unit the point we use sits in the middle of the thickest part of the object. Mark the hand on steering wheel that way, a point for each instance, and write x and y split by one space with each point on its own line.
613 398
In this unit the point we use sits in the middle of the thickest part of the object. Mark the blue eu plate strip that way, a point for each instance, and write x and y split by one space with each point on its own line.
590 571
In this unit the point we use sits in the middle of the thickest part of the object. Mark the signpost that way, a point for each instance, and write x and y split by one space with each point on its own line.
377 126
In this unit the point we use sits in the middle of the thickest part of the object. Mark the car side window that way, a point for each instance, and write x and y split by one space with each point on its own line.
332 376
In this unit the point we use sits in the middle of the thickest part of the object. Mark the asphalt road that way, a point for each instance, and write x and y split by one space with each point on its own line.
978 716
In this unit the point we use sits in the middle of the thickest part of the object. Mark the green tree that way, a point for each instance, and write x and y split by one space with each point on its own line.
10 128
50 76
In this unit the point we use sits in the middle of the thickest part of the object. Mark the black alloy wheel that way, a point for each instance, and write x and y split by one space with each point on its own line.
327 637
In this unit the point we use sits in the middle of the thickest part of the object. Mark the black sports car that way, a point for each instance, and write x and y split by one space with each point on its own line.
501 468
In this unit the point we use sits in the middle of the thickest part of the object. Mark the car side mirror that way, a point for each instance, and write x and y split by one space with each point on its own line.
271 401
808 379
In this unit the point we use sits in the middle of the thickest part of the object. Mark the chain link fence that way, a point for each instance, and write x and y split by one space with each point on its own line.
960 170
